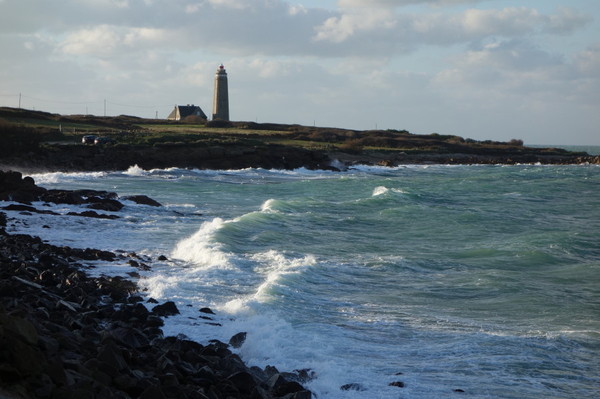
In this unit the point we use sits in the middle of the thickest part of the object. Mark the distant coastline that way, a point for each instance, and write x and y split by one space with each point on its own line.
35 140
590 149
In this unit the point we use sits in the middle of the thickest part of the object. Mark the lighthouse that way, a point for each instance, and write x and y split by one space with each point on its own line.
221 96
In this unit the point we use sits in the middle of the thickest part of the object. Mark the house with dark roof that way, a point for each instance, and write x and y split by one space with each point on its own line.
183 111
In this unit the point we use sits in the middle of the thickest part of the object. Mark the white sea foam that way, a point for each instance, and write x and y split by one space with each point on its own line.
268 206
201 249
377 191
275 265
61 177
135 170
272 267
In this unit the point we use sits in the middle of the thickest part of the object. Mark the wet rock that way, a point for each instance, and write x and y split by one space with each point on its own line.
112 355
207 310
152 393
243 381
92 214
104 204
166 309
300 395
142 200
305 375
15 187
398 384
352 387
130 337
237 340
287 388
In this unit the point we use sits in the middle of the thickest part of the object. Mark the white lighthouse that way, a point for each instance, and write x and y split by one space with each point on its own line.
221 96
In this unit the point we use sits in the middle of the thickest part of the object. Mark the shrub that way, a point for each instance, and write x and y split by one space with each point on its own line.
516 142
16 139
352 146
194 120
219 123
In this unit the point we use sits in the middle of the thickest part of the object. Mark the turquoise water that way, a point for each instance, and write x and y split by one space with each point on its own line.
479 278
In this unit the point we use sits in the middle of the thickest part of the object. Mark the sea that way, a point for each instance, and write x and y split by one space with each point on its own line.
478 281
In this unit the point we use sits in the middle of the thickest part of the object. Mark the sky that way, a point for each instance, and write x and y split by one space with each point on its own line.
480 69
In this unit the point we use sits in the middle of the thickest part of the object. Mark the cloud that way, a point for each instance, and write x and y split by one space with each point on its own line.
105 41
273 27
379 32
401 3
338 29
588 61
519 72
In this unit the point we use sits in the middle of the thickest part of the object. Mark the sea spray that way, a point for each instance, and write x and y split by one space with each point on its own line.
200 249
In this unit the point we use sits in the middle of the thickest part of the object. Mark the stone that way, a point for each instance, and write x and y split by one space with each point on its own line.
352 387
237 340
131 337
112 355
152 393
301 395
166 309
398 384
243 381
287 387
92 214
142 200
104 204
207 310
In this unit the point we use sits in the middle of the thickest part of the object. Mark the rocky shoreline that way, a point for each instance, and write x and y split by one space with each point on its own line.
75 157
65 334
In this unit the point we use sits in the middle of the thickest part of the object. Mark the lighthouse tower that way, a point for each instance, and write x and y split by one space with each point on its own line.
221 97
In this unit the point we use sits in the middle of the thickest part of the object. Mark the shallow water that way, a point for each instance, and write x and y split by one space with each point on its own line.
479 278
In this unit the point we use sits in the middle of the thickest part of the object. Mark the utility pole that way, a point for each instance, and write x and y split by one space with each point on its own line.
19 100
104 107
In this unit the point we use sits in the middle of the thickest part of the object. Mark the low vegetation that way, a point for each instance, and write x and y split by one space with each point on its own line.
24 131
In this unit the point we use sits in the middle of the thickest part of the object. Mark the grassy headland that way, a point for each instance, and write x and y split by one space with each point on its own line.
34 139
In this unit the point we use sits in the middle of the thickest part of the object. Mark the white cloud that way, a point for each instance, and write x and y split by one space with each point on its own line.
106 41
235 4
588 61
400 3
517 72
339 29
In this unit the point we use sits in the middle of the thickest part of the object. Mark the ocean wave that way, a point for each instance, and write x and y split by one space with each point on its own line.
201 248
61 177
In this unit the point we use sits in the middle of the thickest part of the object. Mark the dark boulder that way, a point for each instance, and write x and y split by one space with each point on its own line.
166 309
243 381
62 197
93 214
27 208
15 187
142 200
352 387
238 340
104 204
